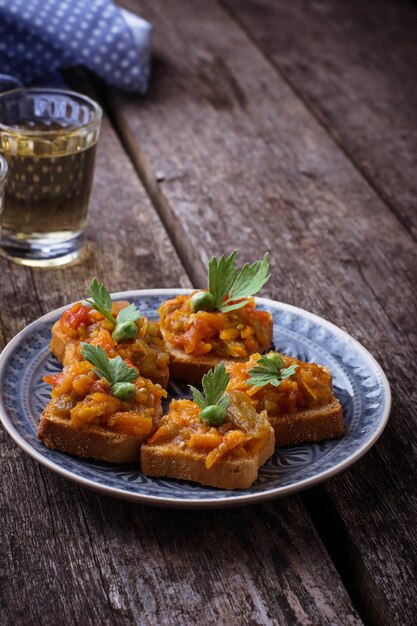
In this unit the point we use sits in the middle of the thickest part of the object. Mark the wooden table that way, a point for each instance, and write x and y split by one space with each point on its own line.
287 126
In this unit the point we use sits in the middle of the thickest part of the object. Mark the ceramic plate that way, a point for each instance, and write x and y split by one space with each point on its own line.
359 383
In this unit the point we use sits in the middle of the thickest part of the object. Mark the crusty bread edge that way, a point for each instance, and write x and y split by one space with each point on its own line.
170 461
191 368
93 441
311 425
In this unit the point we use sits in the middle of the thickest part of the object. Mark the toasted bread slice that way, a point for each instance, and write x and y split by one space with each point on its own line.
230 336
171 461
68 351
316 424
294 417
95 442
190 367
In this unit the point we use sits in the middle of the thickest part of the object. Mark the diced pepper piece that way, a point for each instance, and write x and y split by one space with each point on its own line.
206 441
131 423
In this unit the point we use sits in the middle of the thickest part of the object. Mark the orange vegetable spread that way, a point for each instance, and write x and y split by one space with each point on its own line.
236 333
309 386
146 350
242 434
84 398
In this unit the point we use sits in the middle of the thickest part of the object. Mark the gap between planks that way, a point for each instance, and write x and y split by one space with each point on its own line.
330 528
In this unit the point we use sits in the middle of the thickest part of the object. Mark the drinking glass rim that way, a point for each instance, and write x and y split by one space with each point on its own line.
97 110
3 168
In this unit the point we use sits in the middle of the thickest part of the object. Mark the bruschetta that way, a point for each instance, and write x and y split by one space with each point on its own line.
297 397
216 440
101 409
97 322
220 324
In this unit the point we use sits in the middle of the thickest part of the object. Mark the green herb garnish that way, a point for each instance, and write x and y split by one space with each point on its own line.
270 371
229 288
129 314
101 300
116 371
125 327
213 402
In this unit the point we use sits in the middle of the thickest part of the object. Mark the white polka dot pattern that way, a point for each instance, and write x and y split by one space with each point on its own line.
40 37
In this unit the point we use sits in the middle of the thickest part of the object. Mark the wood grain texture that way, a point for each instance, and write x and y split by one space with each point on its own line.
228 151
223 567
354 63
74 557
90 559
47 565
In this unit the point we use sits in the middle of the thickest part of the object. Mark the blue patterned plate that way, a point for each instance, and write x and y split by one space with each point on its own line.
359 383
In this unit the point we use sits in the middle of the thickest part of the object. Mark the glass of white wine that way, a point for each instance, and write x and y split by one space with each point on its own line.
48 138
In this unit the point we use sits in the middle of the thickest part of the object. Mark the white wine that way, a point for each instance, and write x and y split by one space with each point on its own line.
49 143
46 196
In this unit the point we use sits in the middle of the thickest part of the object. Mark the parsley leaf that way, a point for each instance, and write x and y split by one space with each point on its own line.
101 300
198 397
114 370
228 285
129 314
121 372
270 371
214 385
221 276
125 327
249 281
97 357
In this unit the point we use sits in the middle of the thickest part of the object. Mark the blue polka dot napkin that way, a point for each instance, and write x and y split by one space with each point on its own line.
38 38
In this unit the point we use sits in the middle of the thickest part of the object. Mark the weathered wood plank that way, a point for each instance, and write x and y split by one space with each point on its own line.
69 556
48 561
224 567
227 150
354 64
